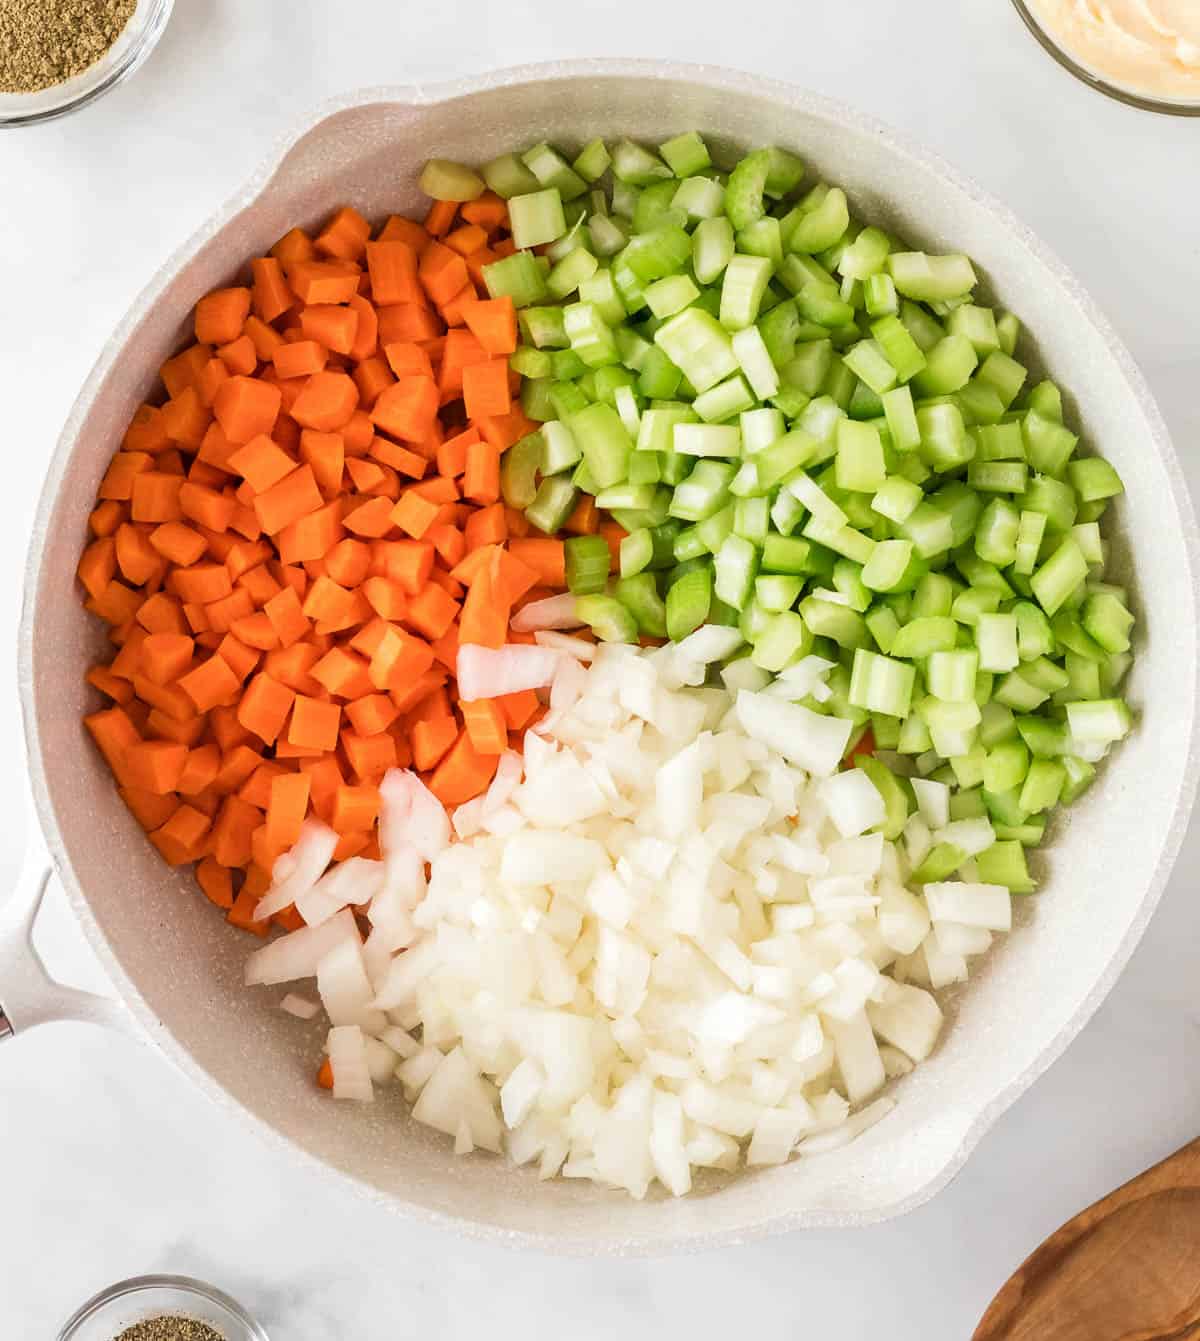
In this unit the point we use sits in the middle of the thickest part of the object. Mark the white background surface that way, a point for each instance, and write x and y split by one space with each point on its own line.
111 1165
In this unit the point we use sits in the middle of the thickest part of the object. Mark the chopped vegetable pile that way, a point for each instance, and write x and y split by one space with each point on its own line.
402 485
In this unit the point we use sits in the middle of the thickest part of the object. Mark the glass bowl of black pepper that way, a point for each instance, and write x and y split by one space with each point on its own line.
58 56
162 1308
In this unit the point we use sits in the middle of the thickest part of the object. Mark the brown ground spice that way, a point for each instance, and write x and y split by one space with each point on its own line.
170 1329
43 42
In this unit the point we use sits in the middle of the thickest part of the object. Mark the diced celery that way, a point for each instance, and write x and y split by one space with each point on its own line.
552 505
688 601
636 166
509 177
535 218
639 595
881 684
924 277
592 161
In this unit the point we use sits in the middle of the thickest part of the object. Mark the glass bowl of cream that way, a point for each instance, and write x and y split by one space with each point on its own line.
1142 52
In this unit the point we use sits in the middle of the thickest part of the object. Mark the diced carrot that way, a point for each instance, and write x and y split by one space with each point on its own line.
177 543
271 294
287 808
232 830
155 765
414 514
295 496
220 315
407 408
481 479
344 236
183 837
314 724
155 497
200 770
333 281
223 614
216 881
440 217
241 914
584 519
236 767
463 774
264 707
519 708
408 562
329 325
485 725
430 741
246 407
262 463
116 688
166 656
493 322
299 358
97 567
406 698
355 809
287 617
239 356
398 658
431 612
466 239
326 402
503 430
181 371
295 245
489 211
449 542
146 431
486 527
366 333
545 556
372 377
312 536
210 684
324 1076
387 598
348 562
117 604
370 714
104 519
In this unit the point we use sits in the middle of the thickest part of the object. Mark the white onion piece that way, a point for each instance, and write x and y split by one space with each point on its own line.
411 816
299 1006
815 743
555 612
297 954
347 1049
301 868
485 672
579 648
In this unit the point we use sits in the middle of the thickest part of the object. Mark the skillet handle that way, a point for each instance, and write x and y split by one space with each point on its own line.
29 996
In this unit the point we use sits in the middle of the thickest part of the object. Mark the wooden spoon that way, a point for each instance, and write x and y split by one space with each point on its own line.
1126 1269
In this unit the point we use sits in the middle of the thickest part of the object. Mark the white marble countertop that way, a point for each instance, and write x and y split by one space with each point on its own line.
112 1165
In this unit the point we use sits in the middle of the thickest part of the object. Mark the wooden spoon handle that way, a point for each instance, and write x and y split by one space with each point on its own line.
1125 1269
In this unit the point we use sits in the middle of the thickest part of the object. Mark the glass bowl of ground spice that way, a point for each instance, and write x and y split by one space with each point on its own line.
162 1308
57 56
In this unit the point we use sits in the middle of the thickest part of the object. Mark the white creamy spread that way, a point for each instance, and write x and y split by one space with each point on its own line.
1148 46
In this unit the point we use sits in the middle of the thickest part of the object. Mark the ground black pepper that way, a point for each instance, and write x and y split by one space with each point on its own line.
44 42
169 1329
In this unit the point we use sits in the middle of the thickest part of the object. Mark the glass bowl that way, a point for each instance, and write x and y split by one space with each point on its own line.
135 42
106 1316
1120 92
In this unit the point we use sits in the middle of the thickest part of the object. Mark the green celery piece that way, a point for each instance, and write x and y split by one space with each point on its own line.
639 595
744 190
592 161
518 471
689 599
636 166
686 154
608 618
785 638
509 177
552 504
